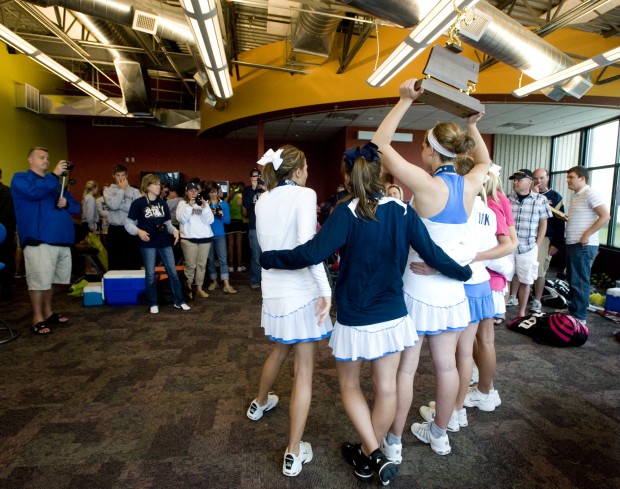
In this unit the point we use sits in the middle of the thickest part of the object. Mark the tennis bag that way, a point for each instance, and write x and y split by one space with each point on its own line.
557 329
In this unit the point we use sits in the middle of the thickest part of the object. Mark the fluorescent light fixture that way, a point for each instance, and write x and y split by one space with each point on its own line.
17 42
582 68
205 27
92 91
56 67
426 32
399 137
114 106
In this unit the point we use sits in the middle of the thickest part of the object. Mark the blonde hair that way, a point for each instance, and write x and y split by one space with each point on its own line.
90 185
453 138
492 186
292 159
463 166
147 180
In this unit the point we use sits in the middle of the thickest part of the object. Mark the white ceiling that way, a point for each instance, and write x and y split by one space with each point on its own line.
509 118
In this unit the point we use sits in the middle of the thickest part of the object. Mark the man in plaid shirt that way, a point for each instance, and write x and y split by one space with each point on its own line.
531 211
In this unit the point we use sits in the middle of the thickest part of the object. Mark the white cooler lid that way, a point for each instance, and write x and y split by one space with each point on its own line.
124 274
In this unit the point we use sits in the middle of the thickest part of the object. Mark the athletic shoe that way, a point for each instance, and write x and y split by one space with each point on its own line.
229 290
495 394
440 445
154 309
255 286
201 293
383 466
512 301
428 413
212 286
355 457
475 376
475 398
393 452
461 417
535 306
183 306
241 269
255 411
292 464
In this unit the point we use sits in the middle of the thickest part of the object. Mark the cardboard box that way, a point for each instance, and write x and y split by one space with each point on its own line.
123 287
93 294
612 300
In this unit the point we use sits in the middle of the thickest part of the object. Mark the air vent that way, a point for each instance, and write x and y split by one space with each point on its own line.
27 97
515 125
474 24
145 22
338 116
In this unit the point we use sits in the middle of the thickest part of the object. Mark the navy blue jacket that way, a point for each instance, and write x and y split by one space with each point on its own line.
373 257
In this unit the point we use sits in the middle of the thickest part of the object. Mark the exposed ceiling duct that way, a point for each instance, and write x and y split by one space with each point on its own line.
314 31
493 33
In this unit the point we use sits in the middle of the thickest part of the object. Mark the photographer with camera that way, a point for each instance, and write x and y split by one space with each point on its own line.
195 218
43 209
221 214
251 195
149 219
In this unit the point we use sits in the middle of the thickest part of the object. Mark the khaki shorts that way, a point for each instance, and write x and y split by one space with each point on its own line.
526 266
47 265
544 258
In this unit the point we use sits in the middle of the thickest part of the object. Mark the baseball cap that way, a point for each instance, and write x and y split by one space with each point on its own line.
255 172
192 186
523 173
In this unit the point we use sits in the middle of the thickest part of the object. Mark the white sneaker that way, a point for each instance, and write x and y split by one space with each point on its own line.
428 413
422 431
292 464
183 306
154 309
255 411
394 453
241 269
461 417
475 376
475 398
512 301
535 306
496 399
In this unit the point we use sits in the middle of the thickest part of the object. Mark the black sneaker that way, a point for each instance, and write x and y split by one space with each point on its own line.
382 466
354 456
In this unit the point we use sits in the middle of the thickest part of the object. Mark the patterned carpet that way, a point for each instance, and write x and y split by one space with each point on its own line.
120 398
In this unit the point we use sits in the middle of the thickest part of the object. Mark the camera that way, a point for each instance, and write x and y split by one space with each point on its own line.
160 227
198 200
261 181
68 167
218 212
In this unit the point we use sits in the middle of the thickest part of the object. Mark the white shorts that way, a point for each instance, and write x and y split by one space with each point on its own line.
526 266
47 265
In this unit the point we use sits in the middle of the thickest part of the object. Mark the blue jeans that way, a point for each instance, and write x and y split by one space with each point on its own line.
149 256
579 259
219 245
255 265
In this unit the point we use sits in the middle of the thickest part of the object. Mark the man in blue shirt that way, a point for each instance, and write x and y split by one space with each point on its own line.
46 233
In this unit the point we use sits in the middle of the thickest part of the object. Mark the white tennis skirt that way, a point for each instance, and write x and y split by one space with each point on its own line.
294 320
369 342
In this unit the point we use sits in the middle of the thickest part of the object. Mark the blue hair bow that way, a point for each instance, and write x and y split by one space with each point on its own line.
370 152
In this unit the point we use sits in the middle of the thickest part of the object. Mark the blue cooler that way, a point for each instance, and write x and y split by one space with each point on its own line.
612 299
93 294
123 287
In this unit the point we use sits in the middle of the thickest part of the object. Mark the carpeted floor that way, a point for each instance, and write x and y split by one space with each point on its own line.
120 398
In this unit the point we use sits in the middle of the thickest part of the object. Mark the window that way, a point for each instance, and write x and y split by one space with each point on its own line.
596 148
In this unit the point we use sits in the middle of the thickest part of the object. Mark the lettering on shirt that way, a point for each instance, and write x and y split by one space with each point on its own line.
153 211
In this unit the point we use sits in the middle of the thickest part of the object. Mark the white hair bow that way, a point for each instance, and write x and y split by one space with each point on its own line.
495 169
272 157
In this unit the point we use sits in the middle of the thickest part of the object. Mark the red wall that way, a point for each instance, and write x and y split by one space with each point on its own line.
95 150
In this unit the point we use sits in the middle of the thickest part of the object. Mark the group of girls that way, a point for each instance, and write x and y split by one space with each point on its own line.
401 278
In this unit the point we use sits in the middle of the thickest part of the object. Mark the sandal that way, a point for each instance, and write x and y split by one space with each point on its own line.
37 329
499 321
57 318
